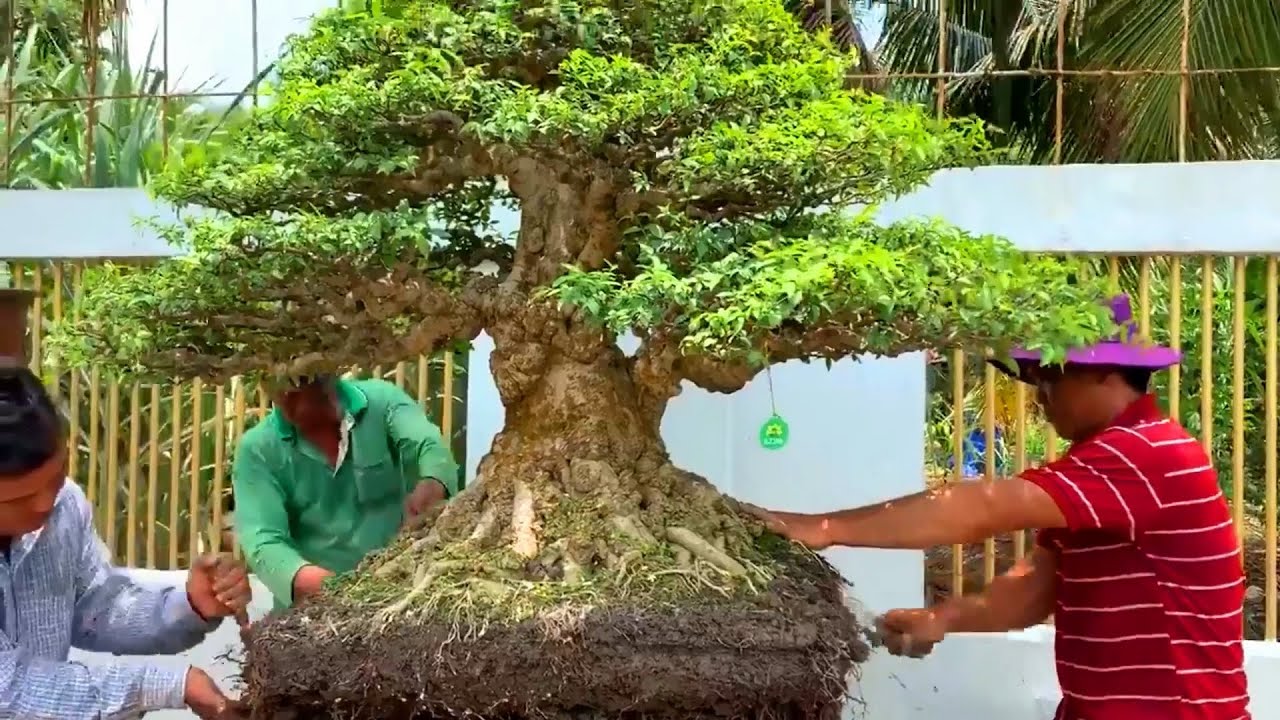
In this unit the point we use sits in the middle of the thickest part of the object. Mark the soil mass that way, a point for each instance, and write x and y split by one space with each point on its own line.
785 653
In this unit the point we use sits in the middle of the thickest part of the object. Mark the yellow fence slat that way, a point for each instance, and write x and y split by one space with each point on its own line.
1237 393
1270 421
219 465
95 391
175 471
108 509
153 478
989 460
957 475
135 475
193 480
1175 335
446 415
1207 293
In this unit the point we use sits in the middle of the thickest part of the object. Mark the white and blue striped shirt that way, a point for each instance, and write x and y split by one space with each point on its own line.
58 589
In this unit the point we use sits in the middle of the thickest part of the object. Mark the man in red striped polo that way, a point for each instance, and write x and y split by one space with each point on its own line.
1137 559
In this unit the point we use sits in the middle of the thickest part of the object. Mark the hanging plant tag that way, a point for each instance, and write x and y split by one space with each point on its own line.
774 433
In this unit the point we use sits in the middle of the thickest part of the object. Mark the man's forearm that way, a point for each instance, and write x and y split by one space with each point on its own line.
273 560
1018 599
123 617
436 465
989 613
962 513
915 522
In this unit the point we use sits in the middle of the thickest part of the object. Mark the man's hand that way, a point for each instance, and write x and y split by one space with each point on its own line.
207 701
309 581
912 633
812 531
426 495
218 587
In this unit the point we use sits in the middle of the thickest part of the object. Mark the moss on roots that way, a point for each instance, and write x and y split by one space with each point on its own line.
592 551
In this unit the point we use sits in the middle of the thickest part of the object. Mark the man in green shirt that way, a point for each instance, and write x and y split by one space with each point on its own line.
331 475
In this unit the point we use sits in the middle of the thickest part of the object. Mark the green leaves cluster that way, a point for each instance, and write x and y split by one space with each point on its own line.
833 285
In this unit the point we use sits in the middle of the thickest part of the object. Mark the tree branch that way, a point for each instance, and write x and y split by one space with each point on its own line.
660 365
327 324
568 216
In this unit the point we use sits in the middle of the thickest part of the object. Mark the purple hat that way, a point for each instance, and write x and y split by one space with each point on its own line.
1124 349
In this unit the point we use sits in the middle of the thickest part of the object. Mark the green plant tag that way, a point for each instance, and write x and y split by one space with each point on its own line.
774 433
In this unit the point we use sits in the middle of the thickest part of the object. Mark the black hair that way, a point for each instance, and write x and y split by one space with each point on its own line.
1137 378
30 426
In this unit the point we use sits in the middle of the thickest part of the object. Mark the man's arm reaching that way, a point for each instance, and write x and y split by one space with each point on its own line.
963 513
111 614
263 524
1018 599
1094 487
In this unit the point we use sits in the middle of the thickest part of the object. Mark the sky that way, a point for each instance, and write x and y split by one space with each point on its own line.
211 41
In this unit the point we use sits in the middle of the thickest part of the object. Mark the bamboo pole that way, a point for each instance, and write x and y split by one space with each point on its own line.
153 477
135 475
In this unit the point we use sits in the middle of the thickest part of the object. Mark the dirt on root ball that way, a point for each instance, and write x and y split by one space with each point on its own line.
784 654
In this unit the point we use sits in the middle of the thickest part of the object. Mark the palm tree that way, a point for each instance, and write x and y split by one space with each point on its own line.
842 17
1122 118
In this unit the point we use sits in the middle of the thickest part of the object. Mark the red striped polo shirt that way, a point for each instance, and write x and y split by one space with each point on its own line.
1150 587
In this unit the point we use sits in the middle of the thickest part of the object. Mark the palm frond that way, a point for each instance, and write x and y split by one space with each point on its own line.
817 15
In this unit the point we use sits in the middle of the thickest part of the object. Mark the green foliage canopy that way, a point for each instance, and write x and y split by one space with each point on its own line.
682 169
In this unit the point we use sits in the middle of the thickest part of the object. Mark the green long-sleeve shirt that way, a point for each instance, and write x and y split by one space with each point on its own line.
294 509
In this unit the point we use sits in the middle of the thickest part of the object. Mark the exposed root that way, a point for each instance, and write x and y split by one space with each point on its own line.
424 577
634 529
530 538
704 550
524 536
571 570
484 528
401 562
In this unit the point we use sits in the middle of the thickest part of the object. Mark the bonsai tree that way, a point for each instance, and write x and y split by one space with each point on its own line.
687 171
